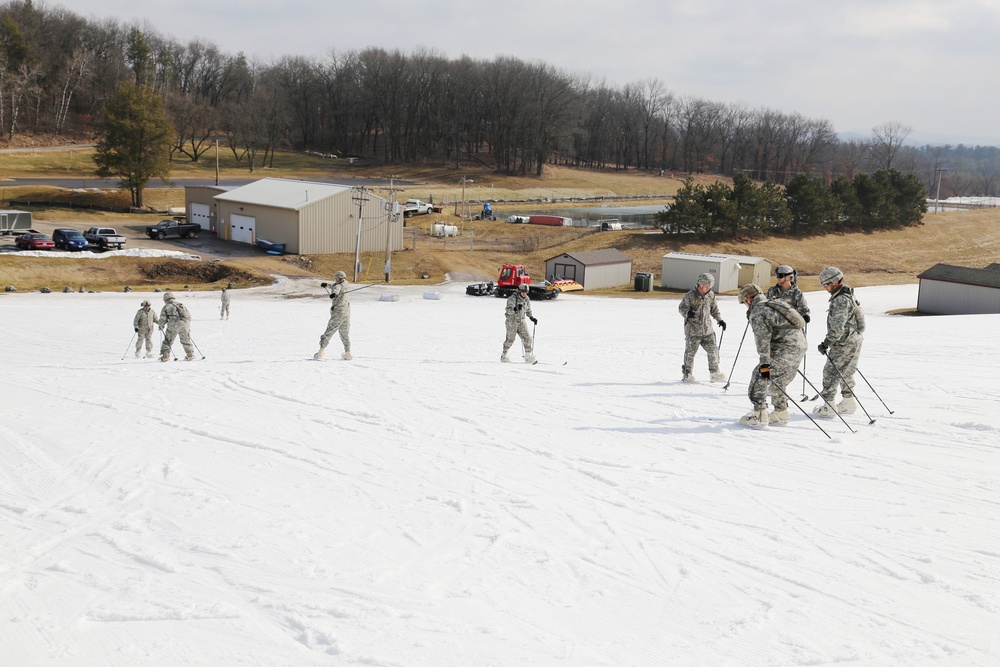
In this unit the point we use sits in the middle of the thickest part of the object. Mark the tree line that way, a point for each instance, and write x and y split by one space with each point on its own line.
885 199
57 69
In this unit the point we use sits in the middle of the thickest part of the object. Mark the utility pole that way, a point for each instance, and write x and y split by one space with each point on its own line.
937 197
391 208
360 196
465 211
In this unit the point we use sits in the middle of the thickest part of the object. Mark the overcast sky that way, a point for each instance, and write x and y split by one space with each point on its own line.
857 63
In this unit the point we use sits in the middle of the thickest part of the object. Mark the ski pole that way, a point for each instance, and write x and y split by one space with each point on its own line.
726 388
809 416
873 391
134 334
843 381
196 347
534 342
721 336
805 396
830 405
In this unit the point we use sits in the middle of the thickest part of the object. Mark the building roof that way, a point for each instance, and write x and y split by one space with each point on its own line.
699 257
748 259
282 193
963 275
992 267
609 256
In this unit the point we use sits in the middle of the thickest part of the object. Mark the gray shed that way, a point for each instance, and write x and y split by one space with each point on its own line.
593 270
15 222
307 217
957 290
681 271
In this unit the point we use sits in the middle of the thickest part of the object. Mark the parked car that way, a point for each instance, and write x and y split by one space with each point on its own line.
69 239
34 241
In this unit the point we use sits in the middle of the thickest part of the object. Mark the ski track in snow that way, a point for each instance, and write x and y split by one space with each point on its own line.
425 504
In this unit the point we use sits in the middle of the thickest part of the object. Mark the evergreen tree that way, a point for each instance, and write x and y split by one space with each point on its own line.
135 139
812 205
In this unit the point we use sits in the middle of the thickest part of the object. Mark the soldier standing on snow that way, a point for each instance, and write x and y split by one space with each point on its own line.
340 317
224 310
781 344
174 321
845 326
518 309
787 289
698 308
144 323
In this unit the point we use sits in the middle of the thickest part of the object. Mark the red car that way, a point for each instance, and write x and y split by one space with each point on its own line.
34 241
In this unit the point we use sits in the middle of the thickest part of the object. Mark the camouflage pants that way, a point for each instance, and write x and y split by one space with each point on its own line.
784 364
338 322
845 359
691 345
171 333
517 328
145 335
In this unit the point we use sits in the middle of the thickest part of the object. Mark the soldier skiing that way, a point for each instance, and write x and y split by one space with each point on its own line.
787 289
144 324
340 316
517 311
224 308
781 344
698 308
845 326
175 321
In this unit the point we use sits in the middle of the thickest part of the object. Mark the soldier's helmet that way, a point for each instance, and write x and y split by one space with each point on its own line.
168 296
522 288
748 291
145 303
830 275
340 275
784 270
706 279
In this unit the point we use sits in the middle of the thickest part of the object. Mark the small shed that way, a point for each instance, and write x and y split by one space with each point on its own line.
958 290
681 271
593 270
755 270
15 222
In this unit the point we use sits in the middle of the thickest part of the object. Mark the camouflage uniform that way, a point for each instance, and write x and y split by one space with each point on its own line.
698 331
793 295
340 318
224 310
516 313
845 324
144 323
177 321
780 344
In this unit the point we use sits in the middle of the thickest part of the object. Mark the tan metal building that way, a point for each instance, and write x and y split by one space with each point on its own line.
593 270
755 270
958 290
306 216
200 205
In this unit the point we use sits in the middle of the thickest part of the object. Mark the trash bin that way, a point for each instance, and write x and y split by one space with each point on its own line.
643 282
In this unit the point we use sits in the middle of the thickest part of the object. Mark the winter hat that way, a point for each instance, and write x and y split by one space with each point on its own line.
168 296
830 275
748 291
706 279
340 275
522 288
784 270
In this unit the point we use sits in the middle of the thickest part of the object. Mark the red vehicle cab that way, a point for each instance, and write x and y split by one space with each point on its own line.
34 241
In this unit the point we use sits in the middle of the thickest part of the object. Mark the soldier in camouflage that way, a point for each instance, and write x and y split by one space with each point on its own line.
781 344
517 310
340 317
787 289
845 326
698 308
144 323
174 321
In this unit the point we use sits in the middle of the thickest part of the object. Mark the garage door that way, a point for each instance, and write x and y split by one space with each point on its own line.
243 228
201 215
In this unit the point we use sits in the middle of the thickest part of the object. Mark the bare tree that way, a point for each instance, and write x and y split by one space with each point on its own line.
886 141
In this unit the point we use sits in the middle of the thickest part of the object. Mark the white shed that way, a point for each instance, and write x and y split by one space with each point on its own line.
681 271
959 290
755 270
593 270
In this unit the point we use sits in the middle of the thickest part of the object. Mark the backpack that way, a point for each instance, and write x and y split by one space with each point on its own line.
793 316
182 312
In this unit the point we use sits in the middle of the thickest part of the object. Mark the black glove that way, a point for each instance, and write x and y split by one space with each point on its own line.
322 284
806 318
692 313
722 323
137 329
765 371
534 320
823 347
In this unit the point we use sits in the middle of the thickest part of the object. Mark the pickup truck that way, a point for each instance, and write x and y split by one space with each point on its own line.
416 207
104 238
166 228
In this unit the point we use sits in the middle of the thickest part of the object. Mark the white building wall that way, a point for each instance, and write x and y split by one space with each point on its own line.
681 271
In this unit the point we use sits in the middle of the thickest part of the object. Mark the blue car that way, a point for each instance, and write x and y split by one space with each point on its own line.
69 239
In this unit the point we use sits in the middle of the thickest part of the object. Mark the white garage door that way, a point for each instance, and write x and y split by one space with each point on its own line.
200 214
243 228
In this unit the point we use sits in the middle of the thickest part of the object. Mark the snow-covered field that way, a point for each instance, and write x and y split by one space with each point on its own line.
426 505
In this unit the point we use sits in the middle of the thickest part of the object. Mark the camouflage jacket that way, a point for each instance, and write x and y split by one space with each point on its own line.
518 307
845 320
793 295
705 310
776 336
144 319
339 300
